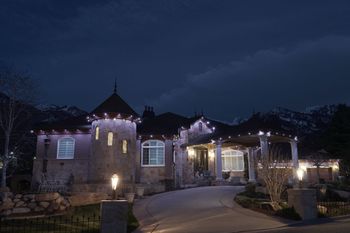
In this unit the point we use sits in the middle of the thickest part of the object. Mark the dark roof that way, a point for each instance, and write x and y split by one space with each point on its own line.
114 104
79 122
167 123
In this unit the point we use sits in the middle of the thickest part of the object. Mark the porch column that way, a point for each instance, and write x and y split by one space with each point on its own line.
218 161
251 165
264 146
294 148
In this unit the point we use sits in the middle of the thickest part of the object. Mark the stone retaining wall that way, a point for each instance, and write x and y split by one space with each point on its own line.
27 204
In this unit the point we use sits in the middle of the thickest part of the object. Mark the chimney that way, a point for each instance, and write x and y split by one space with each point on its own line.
148 112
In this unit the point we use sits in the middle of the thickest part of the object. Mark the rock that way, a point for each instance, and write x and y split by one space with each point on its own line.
59 200
18 196
62 207
46 196
6 212
16 200
21 210
32 205
29 196
55 206
38 209
44 204
7 204
20 203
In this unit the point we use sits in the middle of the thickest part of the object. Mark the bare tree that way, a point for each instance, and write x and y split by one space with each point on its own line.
16 93
318 159
275 171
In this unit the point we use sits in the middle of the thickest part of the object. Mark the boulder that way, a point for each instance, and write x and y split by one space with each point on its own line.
62 207
20 210
46 196
55 206
19 204
44 204
32 205
6 212
16 200
18 196
29 196
38 209
59 199
6 204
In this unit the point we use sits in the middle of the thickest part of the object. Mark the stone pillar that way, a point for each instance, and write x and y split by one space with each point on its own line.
294 148
264 144
304 202
218 162
251 165
114 216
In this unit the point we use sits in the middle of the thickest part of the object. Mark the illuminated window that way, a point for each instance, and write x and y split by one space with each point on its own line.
152 153
65 148
125 146
110 139
97 133
232 160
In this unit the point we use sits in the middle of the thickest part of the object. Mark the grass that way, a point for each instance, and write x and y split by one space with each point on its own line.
83 219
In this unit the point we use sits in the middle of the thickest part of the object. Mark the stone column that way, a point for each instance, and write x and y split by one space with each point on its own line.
264 144
218 162
294 148
251 165
114 216
304 202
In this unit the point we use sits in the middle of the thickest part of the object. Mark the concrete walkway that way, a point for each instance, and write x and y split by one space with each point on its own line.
204 209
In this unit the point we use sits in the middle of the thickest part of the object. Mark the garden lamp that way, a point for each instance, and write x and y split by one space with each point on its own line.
300 174
115 181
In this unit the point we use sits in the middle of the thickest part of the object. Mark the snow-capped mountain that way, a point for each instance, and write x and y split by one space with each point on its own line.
309 121
50 113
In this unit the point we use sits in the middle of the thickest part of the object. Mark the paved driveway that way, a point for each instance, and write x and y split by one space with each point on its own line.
204 209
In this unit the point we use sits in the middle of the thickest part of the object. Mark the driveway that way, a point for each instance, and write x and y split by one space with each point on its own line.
204 209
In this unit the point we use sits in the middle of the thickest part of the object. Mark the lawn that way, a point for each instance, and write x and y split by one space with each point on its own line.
83 219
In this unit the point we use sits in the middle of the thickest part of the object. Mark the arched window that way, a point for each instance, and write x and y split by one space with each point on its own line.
110 139
200 126
232 160
97 133
65 148
152 153
124 146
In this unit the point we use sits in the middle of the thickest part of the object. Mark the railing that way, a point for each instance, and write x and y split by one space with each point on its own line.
54 224
333 208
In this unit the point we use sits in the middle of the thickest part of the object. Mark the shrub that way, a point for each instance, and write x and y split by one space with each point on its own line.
250 188
289 213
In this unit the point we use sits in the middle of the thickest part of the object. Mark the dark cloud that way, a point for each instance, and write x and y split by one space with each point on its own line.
311 73
77 48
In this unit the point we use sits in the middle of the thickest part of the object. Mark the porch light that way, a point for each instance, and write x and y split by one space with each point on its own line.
261 133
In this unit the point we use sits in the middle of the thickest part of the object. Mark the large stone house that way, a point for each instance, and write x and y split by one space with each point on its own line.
84 152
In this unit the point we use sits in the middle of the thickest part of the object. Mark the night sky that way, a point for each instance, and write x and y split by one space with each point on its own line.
225 57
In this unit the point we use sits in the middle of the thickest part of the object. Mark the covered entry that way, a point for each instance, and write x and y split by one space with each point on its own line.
200 160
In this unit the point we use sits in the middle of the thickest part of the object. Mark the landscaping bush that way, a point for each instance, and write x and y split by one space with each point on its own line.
289 213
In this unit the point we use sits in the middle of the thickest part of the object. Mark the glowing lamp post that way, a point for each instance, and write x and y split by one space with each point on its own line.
115 180
300 174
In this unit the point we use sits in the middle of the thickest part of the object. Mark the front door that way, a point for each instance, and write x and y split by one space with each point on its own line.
200 161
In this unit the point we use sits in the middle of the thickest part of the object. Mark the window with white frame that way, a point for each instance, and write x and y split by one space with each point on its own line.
232 160
152 153
65 148
110 139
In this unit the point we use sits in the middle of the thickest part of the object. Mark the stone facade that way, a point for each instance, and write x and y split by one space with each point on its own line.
109 159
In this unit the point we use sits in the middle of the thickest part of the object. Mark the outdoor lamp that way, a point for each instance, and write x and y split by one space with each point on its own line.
300 174
115 180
